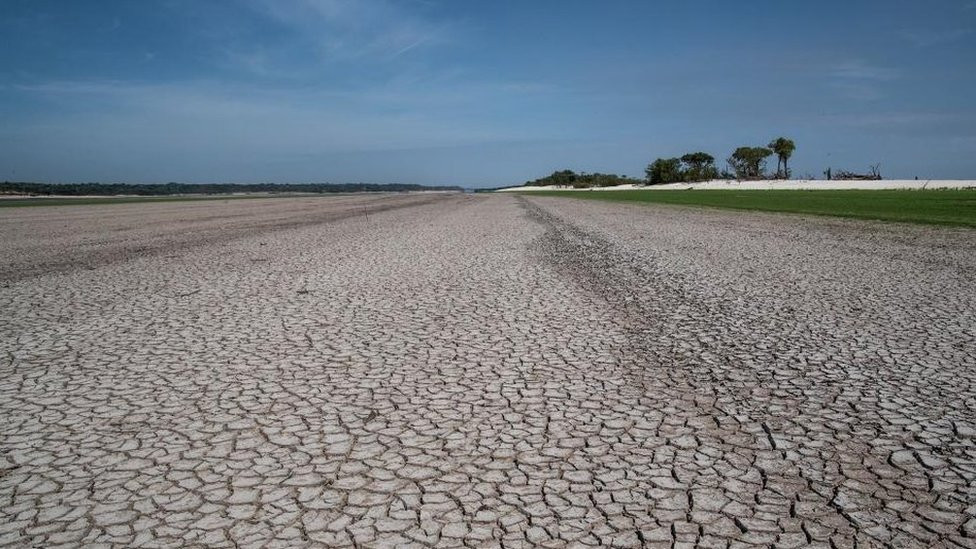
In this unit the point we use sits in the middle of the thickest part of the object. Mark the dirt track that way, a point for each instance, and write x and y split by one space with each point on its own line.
483 371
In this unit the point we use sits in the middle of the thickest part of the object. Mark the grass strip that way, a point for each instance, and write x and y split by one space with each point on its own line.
934 207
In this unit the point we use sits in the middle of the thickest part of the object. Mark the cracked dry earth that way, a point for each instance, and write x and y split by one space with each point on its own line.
484 371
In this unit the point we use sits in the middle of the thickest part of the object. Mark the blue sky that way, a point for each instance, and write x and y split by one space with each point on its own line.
477 93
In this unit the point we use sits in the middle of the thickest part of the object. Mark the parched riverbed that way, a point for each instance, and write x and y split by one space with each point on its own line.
484 371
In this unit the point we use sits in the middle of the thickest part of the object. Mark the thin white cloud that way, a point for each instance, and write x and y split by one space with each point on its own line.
354 29
254 60
862 81
860 70
922 38
903 119
277 120
422 40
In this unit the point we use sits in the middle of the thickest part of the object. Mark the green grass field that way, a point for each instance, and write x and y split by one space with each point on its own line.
97 200
937 207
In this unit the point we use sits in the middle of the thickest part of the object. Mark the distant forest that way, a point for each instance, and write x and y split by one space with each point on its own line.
113 189
569 178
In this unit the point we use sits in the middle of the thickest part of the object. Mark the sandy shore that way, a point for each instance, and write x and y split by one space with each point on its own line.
798 184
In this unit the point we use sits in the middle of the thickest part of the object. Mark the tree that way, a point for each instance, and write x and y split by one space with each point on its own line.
563 177
783 148
582 180
664 170
749 162
700 166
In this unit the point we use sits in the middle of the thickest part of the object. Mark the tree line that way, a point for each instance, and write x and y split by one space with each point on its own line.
569 178
112 189
744 163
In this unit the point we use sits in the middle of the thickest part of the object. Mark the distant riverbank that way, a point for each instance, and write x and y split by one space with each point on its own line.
777 185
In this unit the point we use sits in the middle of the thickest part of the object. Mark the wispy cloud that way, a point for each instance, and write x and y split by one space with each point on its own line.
891 120
254 60
923 38
278 120
860 70
857 79
355 29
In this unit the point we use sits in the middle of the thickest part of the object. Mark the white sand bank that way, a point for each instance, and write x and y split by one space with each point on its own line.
799 185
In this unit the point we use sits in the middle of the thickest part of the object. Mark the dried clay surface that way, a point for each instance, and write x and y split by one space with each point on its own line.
483 371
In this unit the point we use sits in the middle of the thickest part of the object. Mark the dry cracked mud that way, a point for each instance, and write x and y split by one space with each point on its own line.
483 371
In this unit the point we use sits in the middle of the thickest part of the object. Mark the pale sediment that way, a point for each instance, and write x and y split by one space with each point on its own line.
488 371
